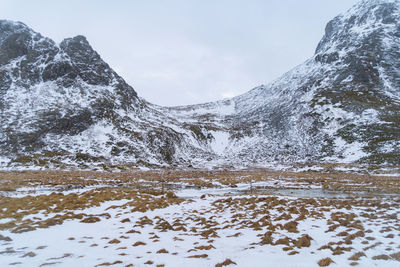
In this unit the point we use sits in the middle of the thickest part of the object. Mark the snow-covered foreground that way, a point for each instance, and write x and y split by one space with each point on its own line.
127 227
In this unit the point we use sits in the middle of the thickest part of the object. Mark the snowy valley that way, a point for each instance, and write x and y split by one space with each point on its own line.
303 171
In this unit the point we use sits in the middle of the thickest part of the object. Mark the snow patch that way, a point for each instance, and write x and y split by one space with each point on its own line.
219 142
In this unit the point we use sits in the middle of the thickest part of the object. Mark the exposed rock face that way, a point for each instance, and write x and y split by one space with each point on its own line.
62 104
367 77
46 88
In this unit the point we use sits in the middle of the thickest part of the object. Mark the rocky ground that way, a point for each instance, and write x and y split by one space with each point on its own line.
200 218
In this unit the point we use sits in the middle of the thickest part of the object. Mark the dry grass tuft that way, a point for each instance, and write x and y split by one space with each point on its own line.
109 263
225 263
283 241
29 254
5 238
205 247
356 256
139 243
133 232
325 262
201 256
91 219
303 241
291 227
267 238
162 251
381 257
395 256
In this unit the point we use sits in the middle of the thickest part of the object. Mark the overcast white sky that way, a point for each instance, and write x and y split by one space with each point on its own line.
176 52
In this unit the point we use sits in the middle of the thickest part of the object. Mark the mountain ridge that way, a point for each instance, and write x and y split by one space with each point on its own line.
341 105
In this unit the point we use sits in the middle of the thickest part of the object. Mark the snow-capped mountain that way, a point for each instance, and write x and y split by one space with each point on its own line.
61 104
340 105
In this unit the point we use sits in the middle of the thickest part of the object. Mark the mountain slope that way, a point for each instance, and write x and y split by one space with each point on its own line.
63 105
342 105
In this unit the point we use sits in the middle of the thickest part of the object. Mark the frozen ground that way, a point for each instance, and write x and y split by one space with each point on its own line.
195 222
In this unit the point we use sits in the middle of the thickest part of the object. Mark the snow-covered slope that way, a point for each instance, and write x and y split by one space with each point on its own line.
61 104
340 105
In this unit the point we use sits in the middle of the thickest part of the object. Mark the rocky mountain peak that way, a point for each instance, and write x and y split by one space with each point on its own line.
8 27
78 41
79 49
35 59
92 69
17 40
367 19
57 89
365 41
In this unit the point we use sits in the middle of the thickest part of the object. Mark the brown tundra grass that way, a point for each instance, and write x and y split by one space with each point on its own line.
328 178
325 262
225 263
